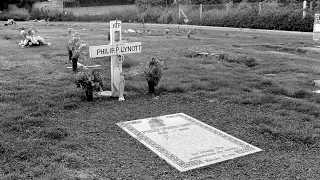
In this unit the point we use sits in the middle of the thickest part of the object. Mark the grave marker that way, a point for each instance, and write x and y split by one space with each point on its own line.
316 27
116 49
186 143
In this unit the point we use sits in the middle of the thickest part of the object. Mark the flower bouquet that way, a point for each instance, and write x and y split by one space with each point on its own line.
153 74
89 81
75 49
10 22
30 39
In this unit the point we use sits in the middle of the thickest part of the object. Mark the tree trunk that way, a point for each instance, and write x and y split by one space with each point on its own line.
151 85
70 55
74 64
89 93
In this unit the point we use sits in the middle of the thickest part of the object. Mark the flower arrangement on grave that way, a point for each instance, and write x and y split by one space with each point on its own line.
76 49
10 22
30 39
89 81
153 74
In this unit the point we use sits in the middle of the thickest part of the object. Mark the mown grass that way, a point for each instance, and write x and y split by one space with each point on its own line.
49 131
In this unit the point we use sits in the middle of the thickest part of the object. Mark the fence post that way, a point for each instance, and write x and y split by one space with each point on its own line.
304 9
227 7
179 12
311 3
200 12
260 8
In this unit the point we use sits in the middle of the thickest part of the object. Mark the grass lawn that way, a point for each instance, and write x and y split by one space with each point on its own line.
258 88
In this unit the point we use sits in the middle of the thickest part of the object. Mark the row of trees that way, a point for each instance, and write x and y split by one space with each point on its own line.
20 3
28 3
97 2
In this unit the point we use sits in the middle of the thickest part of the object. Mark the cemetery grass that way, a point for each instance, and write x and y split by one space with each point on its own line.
257 87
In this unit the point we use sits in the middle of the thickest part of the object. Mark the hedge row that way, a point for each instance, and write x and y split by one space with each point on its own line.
245 16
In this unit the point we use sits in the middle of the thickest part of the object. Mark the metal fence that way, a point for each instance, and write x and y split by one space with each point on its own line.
260 7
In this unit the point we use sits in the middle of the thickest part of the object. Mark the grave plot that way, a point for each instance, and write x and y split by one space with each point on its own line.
186 143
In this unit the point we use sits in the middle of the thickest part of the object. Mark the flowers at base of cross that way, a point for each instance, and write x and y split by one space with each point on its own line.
86 79
30 39
89 81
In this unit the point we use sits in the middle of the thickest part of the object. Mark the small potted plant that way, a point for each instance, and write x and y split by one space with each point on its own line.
89 81
153 74
75 49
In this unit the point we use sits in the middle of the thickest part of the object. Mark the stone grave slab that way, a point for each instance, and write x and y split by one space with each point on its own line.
185 142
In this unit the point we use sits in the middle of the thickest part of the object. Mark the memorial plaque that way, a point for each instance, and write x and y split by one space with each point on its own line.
316 27
186 143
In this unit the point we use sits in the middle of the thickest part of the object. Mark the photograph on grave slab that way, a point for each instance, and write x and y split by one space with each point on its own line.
186 143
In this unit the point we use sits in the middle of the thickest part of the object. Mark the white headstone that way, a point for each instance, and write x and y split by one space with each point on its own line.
316 27
186 143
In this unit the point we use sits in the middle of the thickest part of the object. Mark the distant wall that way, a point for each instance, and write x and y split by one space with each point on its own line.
49 5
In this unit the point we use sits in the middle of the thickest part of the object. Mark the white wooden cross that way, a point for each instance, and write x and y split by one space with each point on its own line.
116 49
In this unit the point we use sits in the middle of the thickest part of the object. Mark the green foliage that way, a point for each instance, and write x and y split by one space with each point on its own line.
245 15
149 3
49 15
151 14
154 71
87 79
16 17
129 63
247 61
125 15
86 3
168 17
76 45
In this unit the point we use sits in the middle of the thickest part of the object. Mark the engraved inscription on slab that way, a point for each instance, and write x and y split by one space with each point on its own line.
186 143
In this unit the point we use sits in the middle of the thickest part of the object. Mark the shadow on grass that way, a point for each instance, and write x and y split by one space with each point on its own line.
51 134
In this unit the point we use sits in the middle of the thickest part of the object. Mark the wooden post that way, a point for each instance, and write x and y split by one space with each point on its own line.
70 55
143 27
179 12
200 12
227 7
304 13
311 3
75 64
260 8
